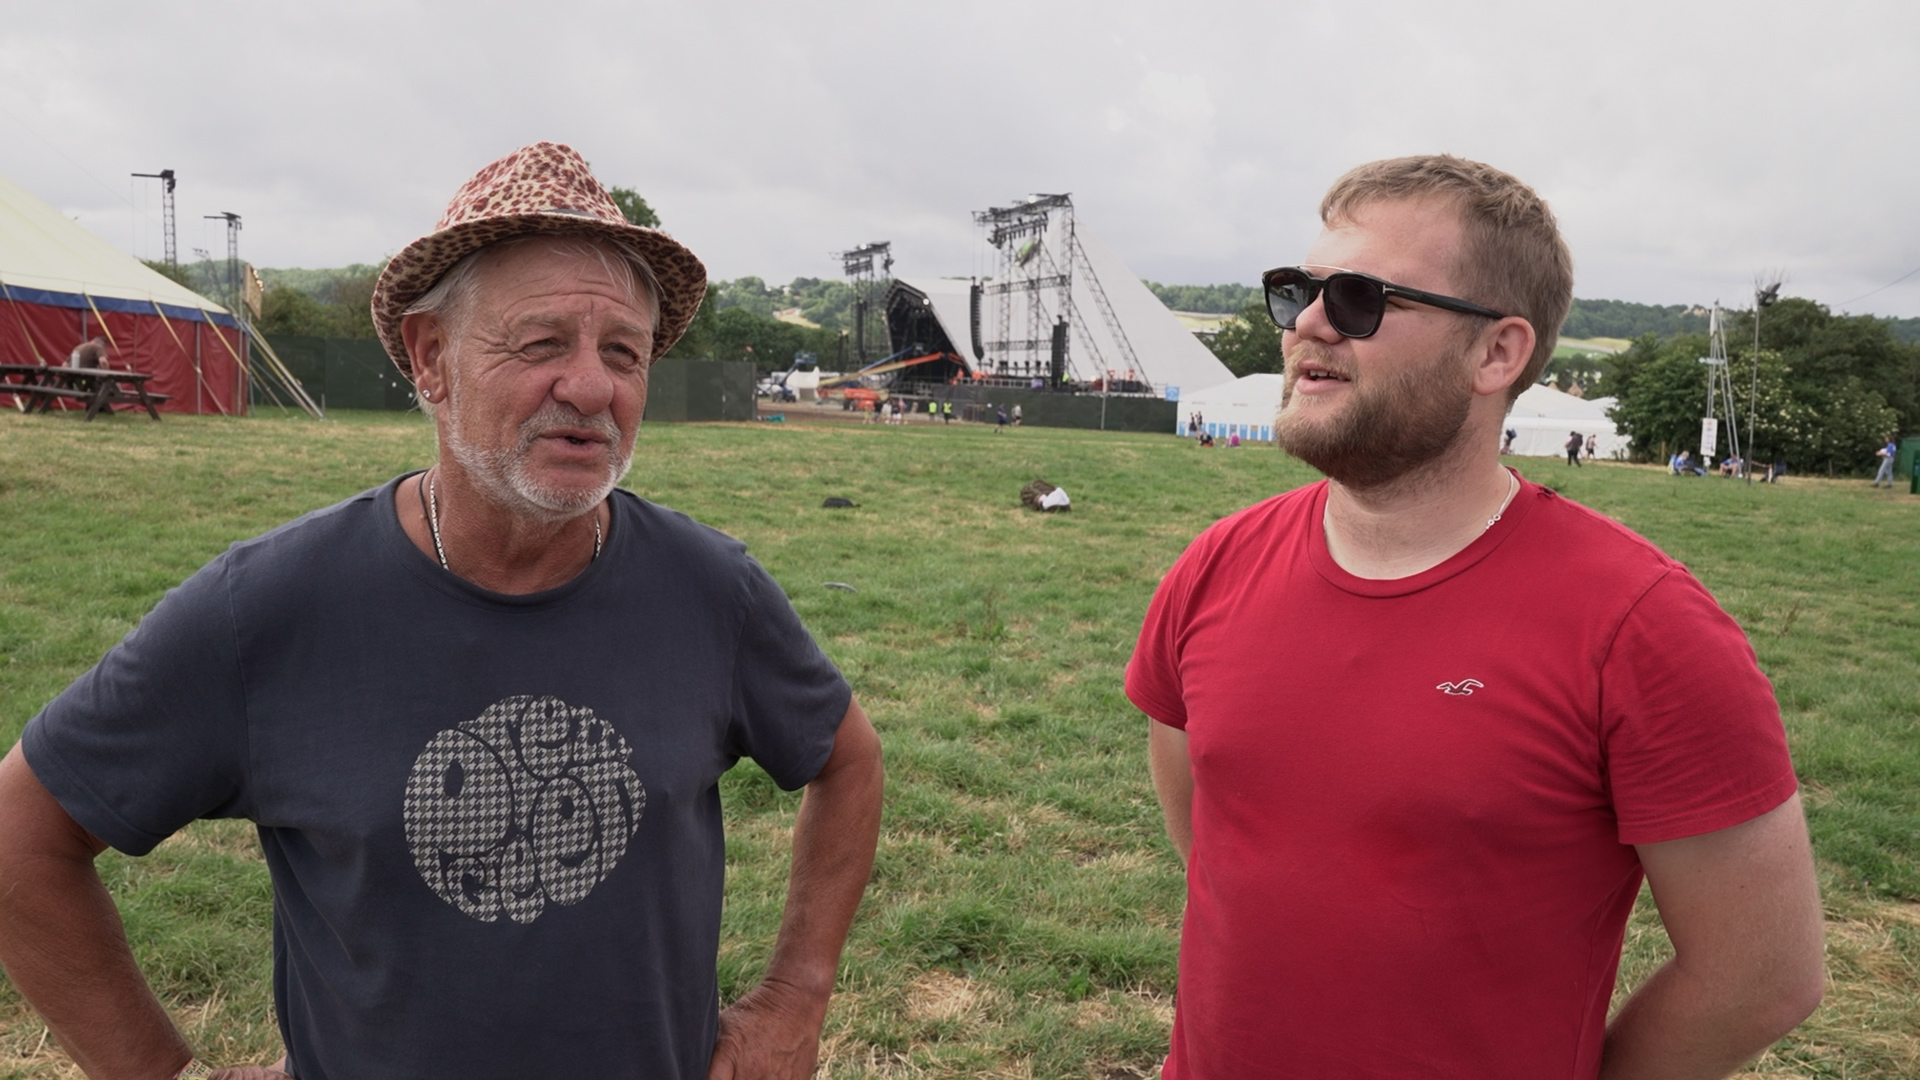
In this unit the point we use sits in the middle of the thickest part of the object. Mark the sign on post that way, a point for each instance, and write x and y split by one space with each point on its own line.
1709 439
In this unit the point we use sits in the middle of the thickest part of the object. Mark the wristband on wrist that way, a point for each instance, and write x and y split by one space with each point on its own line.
195 1070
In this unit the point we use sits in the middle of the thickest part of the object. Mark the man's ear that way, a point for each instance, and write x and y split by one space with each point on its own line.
1503 352
425 337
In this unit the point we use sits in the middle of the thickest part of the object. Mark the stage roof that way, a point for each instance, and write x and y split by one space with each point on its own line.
1166 352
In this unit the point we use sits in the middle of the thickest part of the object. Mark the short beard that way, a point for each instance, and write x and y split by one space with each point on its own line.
502 475
1410 420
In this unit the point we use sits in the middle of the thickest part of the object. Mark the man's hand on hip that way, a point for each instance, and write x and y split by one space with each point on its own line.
773 1033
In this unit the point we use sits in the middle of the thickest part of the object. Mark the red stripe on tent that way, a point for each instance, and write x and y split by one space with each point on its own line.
210 382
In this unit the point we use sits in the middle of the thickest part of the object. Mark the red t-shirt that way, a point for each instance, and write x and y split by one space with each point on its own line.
1415 799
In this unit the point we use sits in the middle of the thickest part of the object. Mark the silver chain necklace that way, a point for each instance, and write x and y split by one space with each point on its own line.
433 523
1513 488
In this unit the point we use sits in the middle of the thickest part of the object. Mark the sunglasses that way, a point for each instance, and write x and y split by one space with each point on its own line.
1355 302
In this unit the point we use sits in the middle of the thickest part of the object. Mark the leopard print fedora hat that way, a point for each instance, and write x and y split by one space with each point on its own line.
542 188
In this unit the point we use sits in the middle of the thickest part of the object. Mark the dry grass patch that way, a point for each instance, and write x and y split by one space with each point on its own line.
941 996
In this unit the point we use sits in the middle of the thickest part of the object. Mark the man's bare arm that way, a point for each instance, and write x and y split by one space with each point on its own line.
1172 774
63 944
774 1031
1742 908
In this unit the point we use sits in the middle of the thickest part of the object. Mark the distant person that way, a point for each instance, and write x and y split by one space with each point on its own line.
1775 471
933 410
1000 419
1506 444
1575 443
1413 843
1017 414
1233 439
946 412
89 354
1731 466
479 715
1593 446
1206 438
1886 454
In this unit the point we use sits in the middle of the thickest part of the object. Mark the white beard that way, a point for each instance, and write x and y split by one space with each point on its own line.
503 475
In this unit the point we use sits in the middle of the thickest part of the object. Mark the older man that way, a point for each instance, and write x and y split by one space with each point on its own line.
479 715
1420 729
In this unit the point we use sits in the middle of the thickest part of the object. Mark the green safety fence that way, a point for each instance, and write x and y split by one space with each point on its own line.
354 373
340 373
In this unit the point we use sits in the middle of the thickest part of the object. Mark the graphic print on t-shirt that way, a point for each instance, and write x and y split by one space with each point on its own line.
531 802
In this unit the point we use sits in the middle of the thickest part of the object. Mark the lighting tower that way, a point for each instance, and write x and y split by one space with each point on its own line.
1044 276
858 266
235 298
1028 269
165 176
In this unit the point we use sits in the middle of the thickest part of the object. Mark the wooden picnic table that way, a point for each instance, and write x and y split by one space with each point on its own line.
39 386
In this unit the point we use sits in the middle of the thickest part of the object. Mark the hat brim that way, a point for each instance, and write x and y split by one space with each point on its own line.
408 275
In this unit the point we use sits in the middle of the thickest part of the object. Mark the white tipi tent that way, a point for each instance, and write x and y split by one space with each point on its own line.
1246 406
1543 418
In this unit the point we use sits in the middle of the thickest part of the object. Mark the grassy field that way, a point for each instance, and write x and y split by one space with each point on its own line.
1024 911
1590 345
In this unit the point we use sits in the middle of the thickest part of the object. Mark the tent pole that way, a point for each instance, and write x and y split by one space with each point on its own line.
292 385
207 320
182 346
104 328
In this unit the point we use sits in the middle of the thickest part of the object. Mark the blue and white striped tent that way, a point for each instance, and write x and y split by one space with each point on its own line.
1245 406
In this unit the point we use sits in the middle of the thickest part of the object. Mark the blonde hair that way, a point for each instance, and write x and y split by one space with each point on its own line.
1514 259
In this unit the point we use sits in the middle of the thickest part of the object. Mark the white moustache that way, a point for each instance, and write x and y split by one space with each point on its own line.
556 415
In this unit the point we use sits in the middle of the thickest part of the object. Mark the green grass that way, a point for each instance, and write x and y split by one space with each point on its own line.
1023 917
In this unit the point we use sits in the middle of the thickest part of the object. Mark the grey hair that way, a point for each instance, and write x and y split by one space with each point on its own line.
450 297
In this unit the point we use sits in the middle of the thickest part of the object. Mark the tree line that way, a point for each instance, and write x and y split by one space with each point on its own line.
1822 392
1824 388
1825 391
1206 299
1828 387
1251 343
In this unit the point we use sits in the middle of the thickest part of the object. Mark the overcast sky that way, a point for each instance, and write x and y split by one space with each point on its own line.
1684 146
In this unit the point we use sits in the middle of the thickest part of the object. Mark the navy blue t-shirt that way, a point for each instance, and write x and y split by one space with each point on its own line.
492 822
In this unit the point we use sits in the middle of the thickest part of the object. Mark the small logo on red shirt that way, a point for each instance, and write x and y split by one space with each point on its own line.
1460 689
